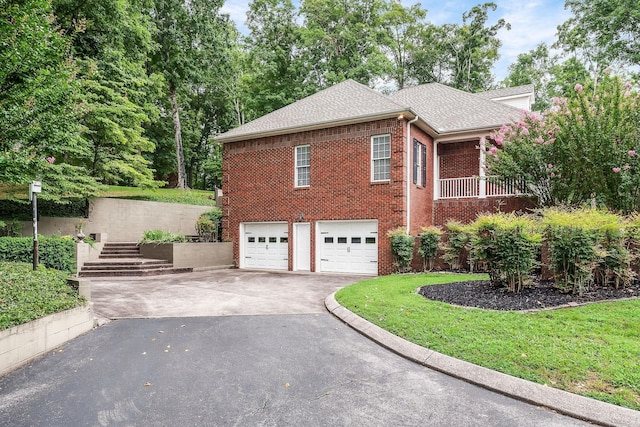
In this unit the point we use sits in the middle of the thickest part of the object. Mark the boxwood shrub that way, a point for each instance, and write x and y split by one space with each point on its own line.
53 252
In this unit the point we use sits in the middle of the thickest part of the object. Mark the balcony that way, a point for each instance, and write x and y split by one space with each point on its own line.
475 187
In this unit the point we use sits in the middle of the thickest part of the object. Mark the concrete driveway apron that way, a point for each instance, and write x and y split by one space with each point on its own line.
233 361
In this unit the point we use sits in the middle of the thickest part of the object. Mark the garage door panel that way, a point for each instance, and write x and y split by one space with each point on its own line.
266 246
348 246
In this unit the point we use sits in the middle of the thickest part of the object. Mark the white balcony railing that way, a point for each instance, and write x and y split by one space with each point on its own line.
474 186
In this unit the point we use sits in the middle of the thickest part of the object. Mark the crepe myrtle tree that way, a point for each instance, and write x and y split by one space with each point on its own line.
584 150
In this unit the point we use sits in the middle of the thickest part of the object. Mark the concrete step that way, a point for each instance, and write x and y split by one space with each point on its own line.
144 272
115 256
105 267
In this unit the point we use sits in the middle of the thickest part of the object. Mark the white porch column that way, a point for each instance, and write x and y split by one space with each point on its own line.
436 172
483 182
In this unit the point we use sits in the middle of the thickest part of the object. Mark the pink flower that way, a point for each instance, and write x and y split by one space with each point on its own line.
616 169
631 153
539 140
626 167
578 87
552 174
627 85
550 133
551 141
499 141
549 166
51 159
525 131
493 150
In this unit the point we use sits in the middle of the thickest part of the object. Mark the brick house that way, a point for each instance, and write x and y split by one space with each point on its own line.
316 185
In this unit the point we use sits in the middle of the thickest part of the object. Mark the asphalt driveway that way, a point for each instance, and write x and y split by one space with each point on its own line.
235 366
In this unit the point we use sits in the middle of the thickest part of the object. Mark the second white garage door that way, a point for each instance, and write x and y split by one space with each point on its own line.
348 246
266 245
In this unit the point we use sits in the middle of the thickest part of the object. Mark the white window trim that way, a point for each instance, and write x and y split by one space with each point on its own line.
296 167
381 158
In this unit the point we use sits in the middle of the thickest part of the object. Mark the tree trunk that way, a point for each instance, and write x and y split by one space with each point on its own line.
179 150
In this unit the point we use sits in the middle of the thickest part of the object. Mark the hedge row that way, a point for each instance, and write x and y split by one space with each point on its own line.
22 211
53 252
587 247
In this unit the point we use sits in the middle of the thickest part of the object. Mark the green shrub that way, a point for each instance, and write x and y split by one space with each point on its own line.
456 244
429 240
160 236
509 245
402 248
26 295
53 252
577 245
208 224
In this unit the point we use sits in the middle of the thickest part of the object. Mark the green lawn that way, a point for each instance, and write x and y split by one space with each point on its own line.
167 195
26 295
592 350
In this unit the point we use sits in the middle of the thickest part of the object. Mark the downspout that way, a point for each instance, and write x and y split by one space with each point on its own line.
409 169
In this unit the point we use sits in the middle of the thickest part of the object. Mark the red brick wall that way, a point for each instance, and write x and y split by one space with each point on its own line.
459 159
258 182
466 210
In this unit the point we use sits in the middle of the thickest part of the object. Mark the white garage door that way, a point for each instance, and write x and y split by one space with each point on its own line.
348 246
266 245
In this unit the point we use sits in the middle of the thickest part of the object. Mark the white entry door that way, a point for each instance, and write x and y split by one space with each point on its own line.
348 246
302 246
265 245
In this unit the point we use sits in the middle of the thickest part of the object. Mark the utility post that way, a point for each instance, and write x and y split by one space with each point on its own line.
34 188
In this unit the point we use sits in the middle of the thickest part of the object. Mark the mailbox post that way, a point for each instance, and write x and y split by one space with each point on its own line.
34 188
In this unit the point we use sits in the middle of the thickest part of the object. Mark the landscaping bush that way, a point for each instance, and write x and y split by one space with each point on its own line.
509 245
160 236
429 240
577 246
26 295
208 224
402 248
53 252
456 244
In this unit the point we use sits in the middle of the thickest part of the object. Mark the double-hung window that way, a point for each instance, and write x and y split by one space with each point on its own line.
419 163
381 158
303 166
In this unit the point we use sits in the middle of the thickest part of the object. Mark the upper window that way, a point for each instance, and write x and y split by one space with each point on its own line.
381 157
419 163
303 166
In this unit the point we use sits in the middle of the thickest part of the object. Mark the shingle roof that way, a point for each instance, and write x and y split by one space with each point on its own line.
448 110
343 102
507 92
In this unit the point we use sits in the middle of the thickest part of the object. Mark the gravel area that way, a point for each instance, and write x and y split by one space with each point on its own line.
542 295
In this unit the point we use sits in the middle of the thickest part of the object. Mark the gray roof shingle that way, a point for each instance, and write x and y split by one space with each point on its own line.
448 110
340 103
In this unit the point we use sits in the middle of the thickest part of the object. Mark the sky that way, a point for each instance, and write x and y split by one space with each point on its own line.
532 22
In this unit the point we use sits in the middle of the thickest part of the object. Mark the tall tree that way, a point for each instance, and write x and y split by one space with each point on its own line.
402 27
39 104
275 71
341 40
604 31
111 40
189 35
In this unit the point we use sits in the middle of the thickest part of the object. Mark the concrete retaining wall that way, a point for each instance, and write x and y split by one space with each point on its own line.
125 220
193 255
21 344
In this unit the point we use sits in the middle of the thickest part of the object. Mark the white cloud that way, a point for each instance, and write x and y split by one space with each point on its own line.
237 11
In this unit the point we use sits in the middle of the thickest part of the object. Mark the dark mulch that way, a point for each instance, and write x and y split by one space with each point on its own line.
541 295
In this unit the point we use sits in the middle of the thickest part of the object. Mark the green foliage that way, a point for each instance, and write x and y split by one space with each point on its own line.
402 248
21 210
582 151
429 240
509 245
54 252
160 236
518 344
455 246
164 195
208 225
26 295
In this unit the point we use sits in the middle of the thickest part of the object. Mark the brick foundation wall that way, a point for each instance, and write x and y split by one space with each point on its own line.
258 182
466 210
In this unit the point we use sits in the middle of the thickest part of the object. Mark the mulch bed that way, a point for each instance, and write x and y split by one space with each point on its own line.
540 296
